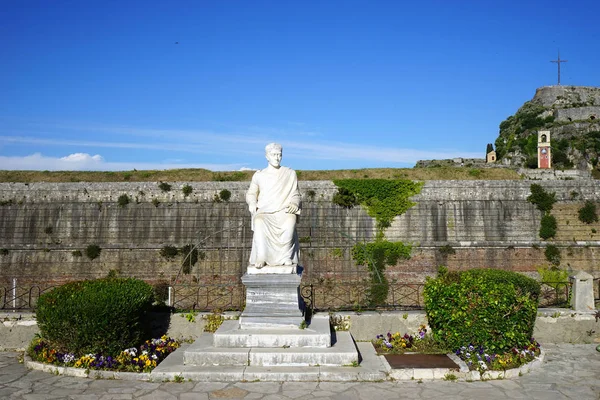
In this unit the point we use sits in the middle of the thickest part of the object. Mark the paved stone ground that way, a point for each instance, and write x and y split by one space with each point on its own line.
570 372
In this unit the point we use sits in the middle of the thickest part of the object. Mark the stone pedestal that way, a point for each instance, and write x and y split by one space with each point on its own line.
582 296
272 300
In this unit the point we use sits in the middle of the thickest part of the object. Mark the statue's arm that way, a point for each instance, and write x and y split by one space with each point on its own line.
296 200
252 195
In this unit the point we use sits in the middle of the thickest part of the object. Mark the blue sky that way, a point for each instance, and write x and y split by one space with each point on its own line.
118 85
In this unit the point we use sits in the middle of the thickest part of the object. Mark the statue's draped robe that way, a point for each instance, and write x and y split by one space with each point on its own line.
274 240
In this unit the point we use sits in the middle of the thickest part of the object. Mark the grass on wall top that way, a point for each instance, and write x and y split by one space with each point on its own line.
203 175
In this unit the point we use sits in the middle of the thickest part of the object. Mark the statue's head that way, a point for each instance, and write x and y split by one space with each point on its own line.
273 153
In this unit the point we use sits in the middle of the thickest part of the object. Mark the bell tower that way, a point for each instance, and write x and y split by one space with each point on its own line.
544 150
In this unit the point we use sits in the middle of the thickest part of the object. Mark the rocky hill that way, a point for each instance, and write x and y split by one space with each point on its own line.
570 113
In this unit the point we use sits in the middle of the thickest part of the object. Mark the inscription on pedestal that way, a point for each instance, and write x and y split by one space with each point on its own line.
272 301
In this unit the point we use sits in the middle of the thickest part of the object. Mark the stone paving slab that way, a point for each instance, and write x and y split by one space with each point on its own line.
569 372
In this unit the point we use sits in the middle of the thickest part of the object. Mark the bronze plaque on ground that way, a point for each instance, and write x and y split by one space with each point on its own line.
397 361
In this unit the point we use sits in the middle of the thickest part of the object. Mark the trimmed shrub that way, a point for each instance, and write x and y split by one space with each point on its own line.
100 316
548 227
492 308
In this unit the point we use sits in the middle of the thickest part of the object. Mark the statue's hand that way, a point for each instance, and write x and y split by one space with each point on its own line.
292 209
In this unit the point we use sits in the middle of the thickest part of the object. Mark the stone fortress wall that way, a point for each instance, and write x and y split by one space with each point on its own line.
485 223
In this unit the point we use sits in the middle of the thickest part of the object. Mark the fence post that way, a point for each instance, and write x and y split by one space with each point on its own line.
170 296
582 297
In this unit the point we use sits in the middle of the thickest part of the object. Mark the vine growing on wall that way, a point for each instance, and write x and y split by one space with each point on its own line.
544 201
377 256
384 199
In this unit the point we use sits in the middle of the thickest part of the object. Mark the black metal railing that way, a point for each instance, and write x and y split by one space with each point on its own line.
555 294
21 297
316 296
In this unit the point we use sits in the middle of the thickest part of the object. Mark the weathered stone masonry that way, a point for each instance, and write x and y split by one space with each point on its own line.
486 223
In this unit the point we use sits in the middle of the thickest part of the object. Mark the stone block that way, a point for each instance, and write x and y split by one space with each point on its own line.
582 298
230 334
272 301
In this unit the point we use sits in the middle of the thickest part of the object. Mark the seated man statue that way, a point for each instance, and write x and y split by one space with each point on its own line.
274 202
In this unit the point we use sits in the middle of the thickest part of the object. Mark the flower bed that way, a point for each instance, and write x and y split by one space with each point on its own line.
142 359
476 358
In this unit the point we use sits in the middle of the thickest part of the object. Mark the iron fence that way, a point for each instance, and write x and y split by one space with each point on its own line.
21 297
317 296
555 294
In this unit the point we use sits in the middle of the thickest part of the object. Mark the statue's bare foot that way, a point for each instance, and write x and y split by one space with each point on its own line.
287 262
259 265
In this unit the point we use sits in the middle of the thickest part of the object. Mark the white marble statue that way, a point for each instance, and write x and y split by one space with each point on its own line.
274 202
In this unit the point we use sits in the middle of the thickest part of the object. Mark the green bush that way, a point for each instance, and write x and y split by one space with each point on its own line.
100 316
187 190
543 200
123 200
225 195
492 308
191 255
92 251
164 186
548 227
344 198
587 213
169 252
552 254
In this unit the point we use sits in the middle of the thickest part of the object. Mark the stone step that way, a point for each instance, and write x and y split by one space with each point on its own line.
202 353
317 334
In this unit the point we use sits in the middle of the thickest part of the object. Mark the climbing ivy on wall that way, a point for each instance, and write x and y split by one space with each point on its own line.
384 199
377 255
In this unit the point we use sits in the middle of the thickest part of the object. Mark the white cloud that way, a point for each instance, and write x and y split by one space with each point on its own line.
86 162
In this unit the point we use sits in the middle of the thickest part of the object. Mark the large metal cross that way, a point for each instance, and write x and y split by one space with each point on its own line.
558 62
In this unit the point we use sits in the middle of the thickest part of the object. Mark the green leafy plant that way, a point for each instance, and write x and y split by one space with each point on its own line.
552 254
553 276
155 202
225 195
169 252
3 251
492 308
93 251
99 316
187 190
548 227
384 199
123 200
446 250
48 230
587 213
344 198
376 256
543 200
191 255
76 253
164 186
311 194
213 321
